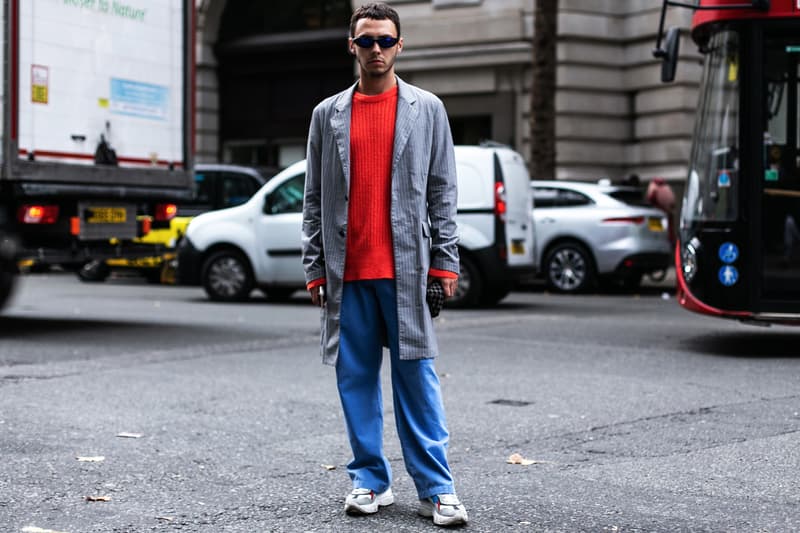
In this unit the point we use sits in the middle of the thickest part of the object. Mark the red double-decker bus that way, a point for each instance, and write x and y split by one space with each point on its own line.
738 249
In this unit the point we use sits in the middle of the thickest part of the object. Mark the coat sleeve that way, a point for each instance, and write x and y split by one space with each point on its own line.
313 253
442 194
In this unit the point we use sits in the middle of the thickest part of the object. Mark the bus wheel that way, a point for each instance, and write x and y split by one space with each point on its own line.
569 268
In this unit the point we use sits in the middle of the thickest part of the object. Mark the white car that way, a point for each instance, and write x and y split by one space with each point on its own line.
587 232
257 244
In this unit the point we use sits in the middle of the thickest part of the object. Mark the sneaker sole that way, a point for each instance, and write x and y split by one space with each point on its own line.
370 508
457 520
441 520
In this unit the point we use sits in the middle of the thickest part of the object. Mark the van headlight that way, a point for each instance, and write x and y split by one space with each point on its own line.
689 259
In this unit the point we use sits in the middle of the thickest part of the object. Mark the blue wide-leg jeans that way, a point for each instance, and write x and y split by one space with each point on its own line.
368 315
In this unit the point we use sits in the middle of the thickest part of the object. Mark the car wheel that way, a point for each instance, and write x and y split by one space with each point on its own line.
94 271
227 276
569 268
470 285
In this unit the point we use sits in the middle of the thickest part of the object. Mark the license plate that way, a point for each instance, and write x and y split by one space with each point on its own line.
106 215
655 224
517 247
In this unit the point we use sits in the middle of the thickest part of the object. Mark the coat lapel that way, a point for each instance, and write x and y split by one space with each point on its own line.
340 123
407 113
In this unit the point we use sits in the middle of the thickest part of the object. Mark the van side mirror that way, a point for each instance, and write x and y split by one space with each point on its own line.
669 54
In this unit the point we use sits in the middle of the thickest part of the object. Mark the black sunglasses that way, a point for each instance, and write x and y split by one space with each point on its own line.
369 42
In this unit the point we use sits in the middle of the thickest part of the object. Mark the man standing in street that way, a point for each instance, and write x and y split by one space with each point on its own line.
378 226
660 195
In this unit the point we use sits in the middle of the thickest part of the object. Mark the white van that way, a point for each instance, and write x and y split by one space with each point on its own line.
495 223
257 244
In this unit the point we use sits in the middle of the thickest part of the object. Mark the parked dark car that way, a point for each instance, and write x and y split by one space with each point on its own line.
217 186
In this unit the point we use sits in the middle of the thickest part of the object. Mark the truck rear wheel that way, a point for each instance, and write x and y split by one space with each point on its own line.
94 271
6 286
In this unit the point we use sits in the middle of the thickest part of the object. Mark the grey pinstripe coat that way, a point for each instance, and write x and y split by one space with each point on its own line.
423 209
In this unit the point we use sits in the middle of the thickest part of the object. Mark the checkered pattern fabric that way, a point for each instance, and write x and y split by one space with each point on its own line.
435 297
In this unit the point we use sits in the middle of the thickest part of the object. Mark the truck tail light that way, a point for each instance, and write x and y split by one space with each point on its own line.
37 214
165 212
145 225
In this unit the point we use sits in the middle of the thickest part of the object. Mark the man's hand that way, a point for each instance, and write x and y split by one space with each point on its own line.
317 295
448 284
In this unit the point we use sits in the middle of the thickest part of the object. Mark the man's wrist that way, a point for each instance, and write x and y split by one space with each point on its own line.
437 273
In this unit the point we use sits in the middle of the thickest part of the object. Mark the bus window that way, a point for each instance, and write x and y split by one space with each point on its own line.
781 180
714 165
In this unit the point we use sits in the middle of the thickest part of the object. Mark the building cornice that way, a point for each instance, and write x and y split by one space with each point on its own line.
467 56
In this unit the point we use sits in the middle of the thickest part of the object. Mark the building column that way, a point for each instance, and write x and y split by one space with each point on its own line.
209 13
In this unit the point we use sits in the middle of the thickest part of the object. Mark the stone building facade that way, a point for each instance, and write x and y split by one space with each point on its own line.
614 116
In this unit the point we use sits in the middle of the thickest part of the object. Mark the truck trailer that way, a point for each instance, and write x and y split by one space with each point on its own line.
97 128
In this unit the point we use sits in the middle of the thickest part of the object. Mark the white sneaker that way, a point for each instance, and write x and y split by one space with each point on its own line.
445 509
365 501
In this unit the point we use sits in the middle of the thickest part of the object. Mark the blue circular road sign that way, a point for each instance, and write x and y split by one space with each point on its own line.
728 252
728 275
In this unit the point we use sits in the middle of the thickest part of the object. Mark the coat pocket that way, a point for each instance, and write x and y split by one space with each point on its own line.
424 247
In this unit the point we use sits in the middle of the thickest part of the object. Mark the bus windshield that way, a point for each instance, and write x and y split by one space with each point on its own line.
713 183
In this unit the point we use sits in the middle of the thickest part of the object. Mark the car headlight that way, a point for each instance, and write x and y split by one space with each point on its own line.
689 259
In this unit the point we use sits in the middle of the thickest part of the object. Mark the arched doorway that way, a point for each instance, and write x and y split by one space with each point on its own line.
276 61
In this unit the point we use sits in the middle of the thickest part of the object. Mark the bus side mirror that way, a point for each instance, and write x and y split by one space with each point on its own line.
669 54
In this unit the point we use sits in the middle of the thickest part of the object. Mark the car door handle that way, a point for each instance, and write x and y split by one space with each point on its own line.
547 220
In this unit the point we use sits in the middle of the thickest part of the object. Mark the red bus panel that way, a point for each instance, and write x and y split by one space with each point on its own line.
778 9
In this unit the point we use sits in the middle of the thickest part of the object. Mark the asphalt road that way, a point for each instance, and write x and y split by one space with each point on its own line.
639 416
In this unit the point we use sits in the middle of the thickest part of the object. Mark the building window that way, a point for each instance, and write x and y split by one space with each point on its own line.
471 129
244 18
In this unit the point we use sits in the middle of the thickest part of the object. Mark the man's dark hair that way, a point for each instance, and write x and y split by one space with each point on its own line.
375 11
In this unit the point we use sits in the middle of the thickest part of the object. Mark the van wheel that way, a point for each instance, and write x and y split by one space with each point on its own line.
470 286
94 271
278 294
569 268
227 277
494 295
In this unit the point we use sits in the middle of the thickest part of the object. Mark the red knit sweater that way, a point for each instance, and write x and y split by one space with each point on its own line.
369 229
